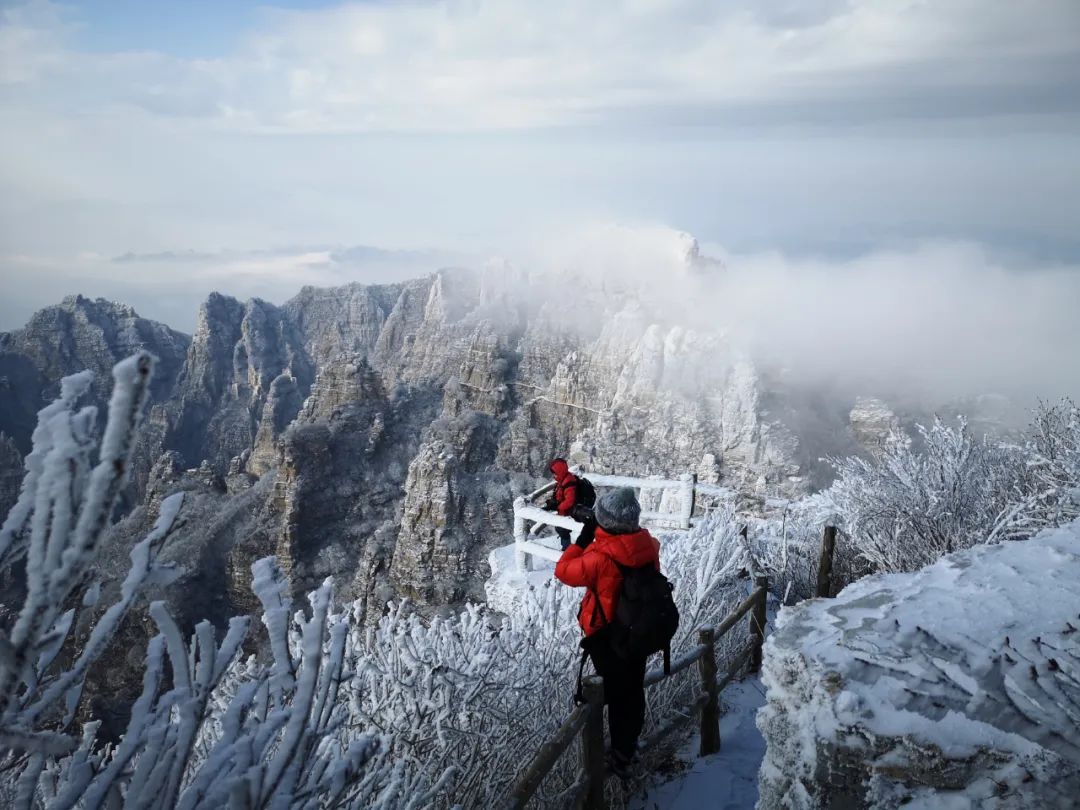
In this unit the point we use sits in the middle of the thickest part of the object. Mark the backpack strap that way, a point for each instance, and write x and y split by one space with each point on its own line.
579 695
598 606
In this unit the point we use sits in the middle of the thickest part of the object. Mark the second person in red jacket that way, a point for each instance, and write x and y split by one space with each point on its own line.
619 540
564 497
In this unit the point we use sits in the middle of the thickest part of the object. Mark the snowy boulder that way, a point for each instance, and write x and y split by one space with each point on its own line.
957 686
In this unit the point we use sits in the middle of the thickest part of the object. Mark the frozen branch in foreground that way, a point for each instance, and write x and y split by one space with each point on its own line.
207 729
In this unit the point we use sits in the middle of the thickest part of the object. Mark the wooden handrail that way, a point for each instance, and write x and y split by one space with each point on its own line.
545 758
654 676
744 608
687 659
587 720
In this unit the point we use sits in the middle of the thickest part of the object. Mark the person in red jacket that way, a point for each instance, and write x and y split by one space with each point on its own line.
619 540
564 497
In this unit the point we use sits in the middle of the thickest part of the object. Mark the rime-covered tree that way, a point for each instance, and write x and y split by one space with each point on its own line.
207 730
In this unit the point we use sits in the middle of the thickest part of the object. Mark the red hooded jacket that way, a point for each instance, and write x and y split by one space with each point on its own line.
595 569
565 486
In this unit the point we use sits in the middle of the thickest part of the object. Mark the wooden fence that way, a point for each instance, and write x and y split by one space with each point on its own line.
587 721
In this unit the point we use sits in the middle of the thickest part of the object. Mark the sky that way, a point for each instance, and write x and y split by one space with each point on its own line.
154 151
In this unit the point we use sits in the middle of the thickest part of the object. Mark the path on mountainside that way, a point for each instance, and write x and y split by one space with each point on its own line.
726 780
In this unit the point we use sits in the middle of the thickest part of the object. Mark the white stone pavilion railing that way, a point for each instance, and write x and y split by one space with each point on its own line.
681 493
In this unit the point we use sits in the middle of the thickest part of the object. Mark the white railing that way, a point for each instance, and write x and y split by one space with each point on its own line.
524 547
526 543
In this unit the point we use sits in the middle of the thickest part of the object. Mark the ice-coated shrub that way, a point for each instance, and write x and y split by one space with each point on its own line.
207 731
909 505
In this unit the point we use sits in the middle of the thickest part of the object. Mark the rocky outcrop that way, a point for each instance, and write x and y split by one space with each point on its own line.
341 477
78 334
11 473
873 423
454 511
954 686
245 376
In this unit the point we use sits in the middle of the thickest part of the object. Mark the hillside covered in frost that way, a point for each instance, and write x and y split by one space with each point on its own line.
309 706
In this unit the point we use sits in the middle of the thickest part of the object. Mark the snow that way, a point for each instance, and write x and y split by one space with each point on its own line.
971 660
506 588
726 780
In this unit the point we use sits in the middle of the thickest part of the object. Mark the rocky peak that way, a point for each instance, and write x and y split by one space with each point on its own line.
343 382
246 374
77 334
873 423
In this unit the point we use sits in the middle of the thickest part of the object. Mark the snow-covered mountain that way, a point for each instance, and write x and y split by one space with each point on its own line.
378 434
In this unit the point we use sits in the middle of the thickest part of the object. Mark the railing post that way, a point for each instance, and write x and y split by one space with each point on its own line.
689 491
710 712
757 623
592 752
824 574
520 537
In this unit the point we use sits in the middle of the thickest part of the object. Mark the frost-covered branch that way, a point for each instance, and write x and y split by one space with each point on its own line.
57 522
208 729
907 507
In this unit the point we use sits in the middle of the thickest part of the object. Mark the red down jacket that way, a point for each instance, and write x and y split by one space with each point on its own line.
595 569
565 486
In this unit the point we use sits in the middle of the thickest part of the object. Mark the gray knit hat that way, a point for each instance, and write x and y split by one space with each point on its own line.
618 511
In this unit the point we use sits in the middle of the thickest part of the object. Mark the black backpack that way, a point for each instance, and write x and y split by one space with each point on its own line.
645 618
584 493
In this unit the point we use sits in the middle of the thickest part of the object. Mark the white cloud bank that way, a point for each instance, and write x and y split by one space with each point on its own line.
496 64
933 321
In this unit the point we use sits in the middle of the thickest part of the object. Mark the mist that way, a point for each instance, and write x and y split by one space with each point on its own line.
929 322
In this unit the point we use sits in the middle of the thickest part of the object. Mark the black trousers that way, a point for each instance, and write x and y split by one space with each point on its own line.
564 537
624 694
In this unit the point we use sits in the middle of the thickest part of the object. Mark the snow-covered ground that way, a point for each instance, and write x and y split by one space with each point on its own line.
955 683
726 780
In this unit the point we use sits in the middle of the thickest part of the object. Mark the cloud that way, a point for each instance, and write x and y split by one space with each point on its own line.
925 323
469 65
810 126
921 324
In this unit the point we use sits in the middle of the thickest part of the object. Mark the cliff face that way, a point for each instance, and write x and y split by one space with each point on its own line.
74 335
11 473
396 422
244 377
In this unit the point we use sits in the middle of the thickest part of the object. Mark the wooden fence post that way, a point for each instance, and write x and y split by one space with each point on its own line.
757 623
824 574
592 752
710 712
